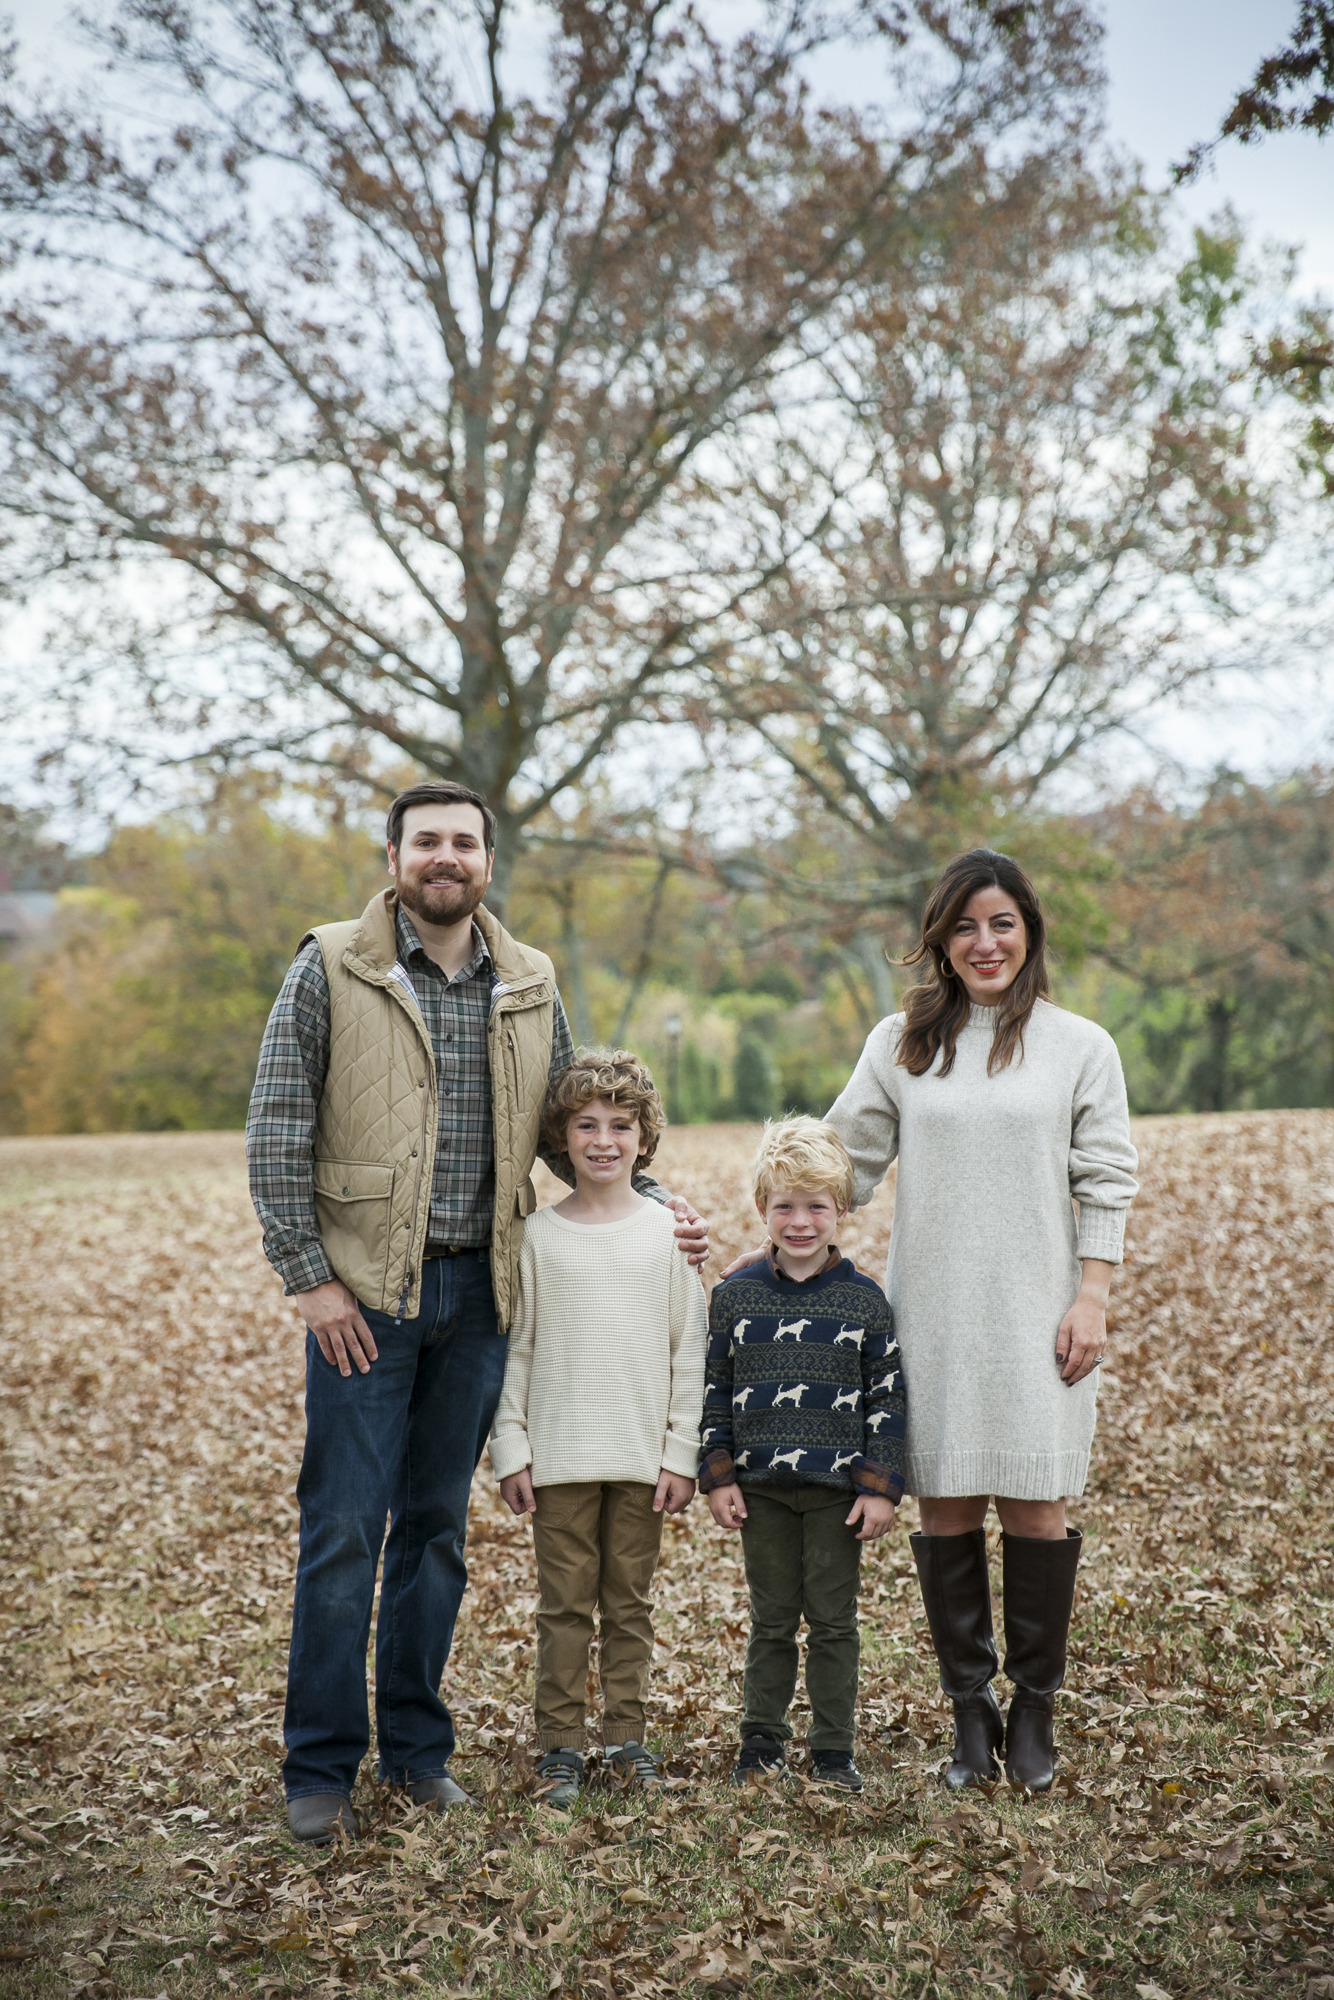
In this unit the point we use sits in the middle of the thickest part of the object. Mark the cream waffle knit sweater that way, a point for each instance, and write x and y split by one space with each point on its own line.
984 1259
605 1376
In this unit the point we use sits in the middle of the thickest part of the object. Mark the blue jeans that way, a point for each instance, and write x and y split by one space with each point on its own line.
403 1442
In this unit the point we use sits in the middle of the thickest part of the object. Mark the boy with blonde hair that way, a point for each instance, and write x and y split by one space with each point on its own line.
804 1404
597 1431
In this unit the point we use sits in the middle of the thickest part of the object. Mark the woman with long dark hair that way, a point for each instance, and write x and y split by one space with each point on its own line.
1003 1112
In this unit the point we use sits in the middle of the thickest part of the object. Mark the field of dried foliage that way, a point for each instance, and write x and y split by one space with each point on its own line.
151 1412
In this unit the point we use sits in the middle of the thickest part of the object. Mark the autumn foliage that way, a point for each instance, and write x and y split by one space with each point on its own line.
151 1410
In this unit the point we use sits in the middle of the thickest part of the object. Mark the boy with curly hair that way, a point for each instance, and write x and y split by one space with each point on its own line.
804 1411
597 1431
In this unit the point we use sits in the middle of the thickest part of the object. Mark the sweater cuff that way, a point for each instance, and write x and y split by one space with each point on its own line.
509 1454
680 1457
716 1469
1101 1233
881 1480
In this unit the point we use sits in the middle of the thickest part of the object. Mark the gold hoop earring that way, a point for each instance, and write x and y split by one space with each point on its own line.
946 969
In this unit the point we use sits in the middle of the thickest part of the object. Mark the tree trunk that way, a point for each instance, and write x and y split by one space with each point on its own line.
572 950
642 969
502 869
1218 1016
869 950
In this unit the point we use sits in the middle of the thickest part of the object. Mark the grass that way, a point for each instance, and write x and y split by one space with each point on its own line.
150 1421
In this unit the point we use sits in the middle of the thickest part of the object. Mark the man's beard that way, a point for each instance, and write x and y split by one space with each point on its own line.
443 901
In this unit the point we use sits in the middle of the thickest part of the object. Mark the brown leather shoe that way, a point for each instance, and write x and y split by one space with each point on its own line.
321 1816
437 1793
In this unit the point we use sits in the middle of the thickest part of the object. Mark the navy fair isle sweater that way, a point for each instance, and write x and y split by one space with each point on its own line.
804 1384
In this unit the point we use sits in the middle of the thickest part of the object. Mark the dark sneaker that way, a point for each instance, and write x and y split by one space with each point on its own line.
761 1757
835 1767
559 1776
632 1761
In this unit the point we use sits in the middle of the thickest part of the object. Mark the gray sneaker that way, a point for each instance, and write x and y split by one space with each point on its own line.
560 1774
632 1761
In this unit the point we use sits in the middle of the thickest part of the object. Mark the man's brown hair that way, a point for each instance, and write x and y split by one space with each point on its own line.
617 1076
441 792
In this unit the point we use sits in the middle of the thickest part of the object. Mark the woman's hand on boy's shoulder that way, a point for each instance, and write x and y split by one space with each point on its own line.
517 1492
675 1492
875 1514
742 1262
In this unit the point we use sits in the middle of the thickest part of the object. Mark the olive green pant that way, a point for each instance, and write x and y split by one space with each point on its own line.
801 1561
596 1544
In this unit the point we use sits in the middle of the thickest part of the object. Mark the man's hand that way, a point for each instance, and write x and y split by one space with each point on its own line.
746 1257
675 1492
517 1492
1081 1340
692 1231
727 1506
334 1317
875 1514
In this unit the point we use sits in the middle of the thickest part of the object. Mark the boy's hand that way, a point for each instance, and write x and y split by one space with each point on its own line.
727 1506
517 1492
876 1516
675 1492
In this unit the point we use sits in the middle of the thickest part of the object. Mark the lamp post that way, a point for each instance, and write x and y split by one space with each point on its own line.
673 1027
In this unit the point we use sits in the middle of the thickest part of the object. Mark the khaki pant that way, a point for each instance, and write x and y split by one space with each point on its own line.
597 1548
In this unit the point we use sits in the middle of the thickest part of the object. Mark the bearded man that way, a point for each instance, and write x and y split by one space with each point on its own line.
392 1134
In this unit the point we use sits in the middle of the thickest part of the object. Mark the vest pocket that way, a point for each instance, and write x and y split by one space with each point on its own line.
354 1202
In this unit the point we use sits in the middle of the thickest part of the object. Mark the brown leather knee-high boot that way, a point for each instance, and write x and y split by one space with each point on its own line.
1039 1597
956 1591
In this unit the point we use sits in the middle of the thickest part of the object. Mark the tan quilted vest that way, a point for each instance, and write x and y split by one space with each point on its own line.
375 1136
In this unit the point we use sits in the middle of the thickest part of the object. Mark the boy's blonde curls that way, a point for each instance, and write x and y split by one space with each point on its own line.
803 1153
618 1076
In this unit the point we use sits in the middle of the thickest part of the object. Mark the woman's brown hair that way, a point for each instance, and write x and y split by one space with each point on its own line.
938 1008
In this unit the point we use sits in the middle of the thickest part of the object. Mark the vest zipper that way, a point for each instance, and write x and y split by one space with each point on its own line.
412 1233
416 1197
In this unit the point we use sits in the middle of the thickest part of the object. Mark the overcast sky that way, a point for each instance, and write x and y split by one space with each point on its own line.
1174 67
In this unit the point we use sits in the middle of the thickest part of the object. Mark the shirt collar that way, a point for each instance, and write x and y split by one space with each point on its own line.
831 1263
409 942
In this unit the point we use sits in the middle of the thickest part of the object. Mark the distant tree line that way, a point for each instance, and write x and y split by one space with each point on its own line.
1202 937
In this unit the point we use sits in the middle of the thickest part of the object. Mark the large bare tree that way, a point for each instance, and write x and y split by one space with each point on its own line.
1011 513
380 338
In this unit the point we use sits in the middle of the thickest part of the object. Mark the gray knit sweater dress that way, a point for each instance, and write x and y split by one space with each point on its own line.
984 1256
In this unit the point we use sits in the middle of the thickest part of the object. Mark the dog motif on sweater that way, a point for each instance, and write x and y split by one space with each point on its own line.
842 1424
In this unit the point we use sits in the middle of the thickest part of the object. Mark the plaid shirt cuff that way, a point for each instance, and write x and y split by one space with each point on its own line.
868 1477
302 1270
716 1469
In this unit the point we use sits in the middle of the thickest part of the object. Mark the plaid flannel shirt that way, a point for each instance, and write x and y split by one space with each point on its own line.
293 1065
